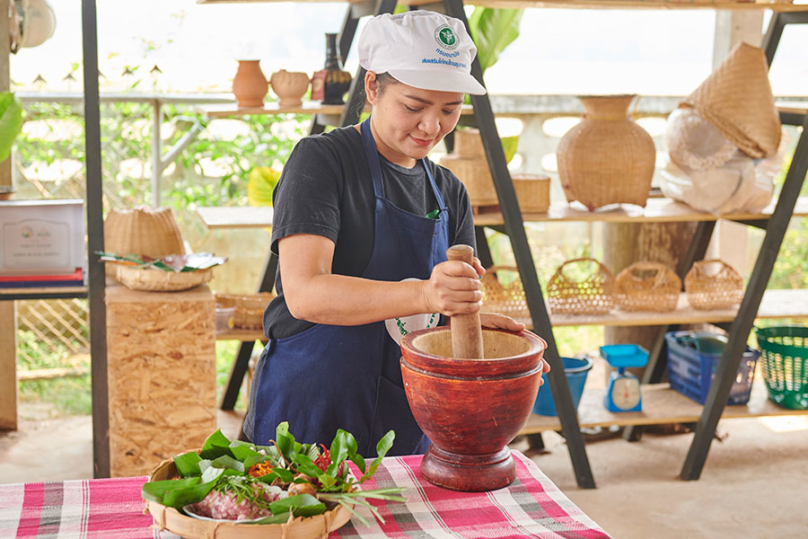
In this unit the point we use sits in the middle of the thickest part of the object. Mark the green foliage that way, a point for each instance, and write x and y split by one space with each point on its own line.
493 30
10 122
262 181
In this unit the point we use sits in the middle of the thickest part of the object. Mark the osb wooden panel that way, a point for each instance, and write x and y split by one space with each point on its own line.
162 375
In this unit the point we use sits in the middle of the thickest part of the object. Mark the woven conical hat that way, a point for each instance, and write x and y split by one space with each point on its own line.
737 98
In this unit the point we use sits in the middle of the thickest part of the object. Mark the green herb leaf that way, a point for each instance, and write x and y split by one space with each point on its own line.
285 441
252 460
188 464
359 461
382 448
179 498
242 451
302 505
228 462
156 490
215 446
280 518
212 474
343 446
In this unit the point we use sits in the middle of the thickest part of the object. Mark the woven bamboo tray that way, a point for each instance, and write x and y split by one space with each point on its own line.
590 293
713 284
168 518
152 280
648 286
509 298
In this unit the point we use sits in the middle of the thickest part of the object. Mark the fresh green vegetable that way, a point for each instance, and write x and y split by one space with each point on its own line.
239 468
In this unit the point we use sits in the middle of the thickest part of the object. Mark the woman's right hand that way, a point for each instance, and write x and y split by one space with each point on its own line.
452 289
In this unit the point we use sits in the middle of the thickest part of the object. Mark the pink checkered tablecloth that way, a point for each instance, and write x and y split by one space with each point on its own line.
532 506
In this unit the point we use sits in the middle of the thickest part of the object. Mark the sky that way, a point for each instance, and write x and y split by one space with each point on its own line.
558 51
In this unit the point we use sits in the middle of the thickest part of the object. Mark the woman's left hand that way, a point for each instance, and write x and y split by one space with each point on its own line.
500 321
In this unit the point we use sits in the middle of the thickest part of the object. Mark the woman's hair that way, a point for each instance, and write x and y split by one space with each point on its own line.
383 80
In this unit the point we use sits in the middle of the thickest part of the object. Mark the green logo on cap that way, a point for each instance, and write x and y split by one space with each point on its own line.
446 37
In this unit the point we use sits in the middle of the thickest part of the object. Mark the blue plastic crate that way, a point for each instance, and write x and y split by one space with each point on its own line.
693 358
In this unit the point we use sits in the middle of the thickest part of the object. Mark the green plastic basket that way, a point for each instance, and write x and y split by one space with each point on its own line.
784 351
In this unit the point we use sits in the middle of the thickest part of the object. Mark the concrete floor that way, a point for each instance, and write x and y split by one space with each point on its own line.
755 484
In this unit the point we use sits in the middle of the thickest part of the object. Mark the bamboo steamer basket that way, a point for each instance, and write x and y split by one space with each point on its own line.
475 175
607 158
168 518
153 280
532 192
468 143
592 294
142 231
707 289
648 286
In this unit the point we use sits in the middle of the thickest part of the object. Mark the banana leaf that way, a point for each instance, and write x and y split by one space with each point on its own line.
302 505
493 30
260 184
10 122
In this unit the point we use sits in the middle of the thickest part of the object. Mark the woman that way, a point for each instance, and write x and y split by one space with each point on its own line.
361 226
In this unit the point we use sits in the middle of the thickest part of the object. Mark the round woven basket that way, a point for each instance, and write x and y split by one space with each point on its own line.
532 192
591 291
152 280
168 518
249 313
142 231
648 286
503 293
607 158
713 284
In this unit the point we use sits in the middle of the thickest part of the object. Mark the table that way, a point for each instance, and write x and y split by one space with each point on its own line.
112 508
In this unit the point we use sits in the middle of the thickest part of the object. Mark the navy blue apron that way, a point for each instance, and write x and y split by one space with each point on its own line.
331 377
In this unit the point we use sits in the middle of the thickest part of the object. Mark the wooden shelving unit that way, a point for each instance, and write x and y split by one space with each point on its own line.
661 405
243 335
308 107
250 217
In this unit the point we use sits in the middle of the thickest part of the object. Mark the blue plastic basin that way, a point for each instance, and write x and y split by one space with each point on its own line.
576 370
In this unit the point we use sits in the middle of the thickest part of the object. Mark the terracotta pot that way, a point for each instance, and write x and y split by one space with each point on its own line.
471 408
289 86
607 158
250 85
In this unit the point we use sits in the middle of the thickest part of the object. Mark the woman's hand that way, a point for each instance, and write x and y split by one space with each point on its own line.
500 321
453 288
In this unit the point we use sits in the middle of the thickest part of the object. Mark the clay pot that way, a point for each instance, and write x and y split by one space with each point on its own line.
607 158
250 85
471 408
289 86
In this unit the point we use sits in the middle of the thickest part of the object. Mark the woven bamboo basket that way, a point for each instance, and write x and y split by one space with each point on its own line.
142 231
168 518
508 298
468 143
607 158
532 192
591 293
249 313
475 175
713 284
153 280
648 286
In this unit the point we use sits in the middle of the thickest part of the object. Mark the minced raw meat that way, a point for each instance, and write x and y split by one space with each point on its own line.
223 506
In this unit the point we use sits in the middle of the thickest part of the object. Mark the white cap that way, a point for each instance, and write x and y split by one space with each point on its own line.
420 48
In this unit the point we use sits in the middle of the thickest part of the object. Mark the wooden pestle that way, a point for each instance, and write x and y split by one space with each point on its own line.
467 335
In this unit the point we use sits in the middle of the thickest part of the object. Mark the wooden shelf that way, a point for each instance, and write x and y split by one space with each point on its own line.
56 292
775 304
579 4
245 335
231 109
308 107
657 210
236 217
660 404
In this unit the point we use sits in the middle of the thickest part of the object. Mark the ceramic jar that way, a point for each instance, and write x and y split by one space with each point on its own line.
250 85
337 81
607 158
289 86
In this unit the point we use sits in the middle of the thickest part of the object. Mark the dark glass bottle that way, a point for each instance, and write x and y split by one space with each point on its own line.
337 80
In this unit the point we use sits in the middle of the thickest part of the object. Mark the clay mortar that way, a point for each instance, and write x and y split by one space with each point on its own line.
471 408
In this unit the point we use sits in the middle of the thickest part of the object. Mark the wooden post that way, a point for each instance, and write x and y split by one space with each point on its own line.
8 366
8 319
